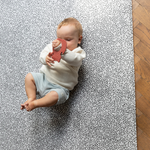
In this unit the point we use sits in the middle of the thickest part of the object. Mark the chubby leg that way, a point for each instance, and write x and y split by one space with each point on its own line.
48 100
30 89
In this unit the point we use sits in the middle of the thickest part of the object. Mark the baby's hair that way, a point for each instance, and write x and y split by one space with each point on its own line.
72 21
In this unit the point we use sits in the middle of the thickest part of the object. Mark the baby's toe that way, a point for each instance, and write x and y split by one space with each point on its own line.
22 107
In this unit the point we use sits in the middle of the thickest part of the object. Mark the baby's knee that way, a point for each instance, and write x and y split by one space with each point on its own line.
29 77
54 94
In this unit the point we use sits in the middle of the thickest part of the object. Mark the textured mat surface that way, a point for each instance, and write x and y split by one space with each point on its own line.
100 114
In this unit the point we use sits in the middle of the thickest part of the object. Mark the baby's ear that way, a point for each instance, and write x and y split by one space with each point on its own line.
80 39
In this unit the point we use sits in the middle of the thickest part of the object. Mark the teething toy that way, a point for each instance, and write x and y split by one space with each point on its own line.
56 55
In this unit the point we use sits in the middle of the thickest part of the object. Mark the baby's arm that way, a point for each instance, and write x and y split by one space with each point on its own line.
44 53
74 58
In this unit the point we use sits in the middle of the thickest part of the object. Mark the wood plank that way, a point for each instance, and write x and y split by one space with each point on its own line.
143 34
137 77
139 131
134 4
143 52
135 21
137 95
142 15
136 59
143 87
143 142
135 40
139 147
144 124
143 69
138 113
144 106
145 3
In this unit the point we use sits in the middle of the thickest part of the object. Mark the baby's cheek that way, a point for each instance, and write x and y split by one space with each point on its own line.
68 44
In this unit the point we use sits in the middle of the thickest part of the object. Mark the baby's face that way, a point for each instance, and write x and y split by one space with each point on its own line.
70 35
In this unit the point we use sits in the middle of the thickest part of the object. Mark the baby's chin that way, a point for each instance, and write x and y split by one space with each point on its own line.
71 49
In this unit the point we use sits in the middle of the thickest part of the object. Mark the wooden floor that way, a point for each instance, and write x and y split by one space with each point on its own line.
141 27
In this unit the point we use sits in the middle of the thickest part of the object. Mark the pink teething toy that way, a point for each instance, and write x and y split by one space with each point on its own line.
56 55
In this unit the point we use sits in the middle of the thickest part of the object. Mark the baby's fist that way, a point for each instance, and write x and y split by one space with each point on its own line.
55 43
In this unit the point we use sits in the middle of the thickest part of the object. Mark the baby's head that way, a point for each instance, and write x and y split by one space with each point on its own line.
70 30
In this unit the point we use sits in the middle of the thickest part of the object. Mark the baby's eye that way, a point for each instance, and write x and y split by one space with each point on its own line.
68 39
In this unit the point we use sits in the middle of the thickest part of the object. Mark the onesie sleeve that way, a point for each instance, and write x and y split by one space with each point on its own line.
75 57
44 53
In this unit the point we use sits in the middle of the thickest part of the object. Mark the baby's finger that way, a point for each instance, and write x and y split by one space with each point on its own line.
22 106
49 64
51 60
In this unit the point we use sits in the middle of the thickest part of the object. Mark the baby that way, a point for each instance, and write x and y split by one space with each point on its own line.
56 79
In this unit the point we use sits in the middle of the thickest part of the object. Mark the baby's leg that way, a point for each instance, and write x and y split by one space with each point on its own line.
30 89
49 100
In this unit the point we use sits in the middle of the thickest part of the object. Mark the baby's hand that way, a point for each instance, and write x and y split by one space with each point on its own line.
55 43
49 60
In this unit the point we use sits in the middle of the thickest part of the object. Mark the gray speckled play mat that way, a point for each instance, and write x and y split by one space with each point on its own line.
100 114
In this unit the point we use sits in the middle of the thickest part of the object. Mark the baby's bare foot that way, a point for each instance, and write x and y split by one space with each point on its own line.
30 106
28 101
